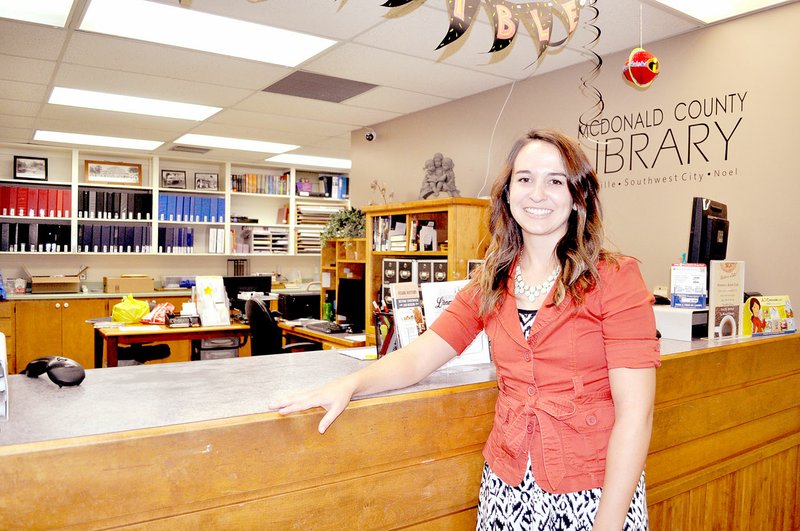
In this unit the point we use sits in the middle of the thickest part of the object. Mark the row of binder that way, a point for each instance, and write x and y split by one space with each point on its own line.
106 204
29 201
191 208
94 238
34 237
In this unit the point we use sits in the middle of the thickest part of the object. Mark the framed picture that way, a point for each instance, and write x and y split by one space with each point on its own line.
111 172
206 181
173 179
30 168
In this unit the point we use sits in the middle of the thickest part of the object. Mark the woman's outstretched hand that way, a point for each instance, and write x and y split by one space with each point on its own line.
332 397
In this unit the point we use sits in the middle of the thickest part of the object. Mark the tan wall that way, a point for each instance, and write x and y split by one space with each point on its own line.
750 55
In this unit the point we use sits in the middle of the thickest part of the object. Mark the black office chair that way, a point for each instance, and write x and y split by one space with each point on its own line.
266 337
143 353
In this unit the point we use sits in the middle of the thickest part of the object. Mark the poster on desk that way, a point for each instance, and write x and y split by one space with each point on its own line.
436 296
766 315
212 302
726 294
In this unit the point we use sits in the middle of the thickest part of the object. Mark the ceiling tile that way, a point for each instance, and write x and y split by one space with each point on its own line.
369 64
147 86
280 123
395 100
26 70
166 61
31 40
120 120
15 120
20 91
340 19
18 108
279 104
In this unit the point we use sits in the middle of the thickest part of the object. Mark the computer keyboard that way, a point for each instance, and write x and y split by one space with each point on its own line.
325 327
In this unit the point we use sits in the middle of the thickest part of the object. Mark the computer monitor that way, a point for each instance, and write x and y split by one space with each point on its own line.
350 302
708 238
236 285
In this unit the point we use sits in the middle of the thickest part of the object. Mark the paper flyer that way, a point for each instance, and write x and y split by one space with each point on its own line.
768 315
726 293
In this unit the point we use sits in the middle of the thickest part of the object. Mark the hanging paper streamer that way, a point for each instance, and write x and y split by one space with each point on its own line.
507 16
462 12
641 68
587 88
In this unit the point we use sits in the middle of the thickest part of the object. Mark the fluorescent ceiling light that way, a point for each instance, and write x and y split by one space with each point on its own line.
50 12
95 140
117 102
241 144
187 28
308 160
710 12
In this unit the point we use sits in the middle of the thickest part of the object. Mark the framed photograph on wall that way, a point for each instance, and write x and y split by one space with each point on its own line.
111 172
30 168
173 179
206 181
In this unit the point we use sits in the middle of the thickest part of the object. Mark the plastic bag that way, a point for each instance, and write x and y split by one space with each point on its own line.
158 315
129 310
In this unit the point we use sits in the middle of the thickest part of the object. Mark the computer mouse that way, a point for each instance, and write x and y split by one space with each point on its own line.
62 371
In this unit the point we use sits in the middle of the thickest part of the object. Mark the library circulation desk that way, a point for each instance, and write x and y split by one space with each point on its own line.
191 446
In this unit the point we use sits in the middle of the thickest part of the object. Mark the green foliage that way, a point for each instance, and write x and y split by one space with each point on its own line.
347 223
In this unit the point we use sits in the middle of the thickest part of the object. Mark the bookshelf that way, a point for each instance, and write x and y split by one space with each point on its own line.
461 228
174 205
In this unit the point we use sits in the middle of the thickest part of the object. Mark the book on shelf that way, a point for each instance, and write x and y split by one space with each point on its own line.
436 297
409 321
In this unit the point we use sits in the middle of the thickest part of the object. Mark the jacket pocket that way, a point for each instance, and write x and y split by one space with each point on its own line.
585 436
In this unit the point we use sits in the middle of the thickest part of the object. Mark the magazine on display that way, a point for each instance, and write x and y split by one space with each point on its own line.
436 296
409 322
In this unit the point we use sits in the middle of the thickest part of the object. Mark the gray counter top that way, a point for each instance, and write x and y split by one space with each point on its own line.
145 396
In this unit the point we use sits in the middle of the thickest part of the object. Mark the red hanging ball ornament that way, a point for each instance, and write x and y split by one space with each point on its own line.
641 68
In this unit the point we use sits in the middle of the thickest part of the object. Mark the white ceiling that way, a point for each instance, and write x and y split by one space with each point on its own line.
392 48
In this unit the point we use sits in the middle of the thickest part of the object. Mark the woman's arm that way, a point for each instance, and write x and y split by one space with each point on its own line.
397 369
633 391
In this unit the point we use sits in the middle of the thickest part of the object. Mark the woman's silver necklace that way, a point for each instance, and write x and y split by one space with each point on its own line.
532 292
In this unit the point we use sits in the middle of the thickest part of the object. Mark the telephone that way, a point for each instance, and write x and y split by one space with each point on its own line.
63 372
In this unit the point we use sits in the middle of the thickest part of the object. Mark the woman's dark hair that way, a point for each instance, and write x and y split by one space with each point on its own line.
578 252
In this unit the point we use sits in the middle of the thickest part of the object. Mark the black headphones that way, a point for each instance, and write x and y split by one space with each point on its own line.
63 372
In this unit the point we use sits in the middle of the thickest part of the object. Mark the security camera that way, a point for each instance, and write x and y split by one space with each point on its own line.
370 135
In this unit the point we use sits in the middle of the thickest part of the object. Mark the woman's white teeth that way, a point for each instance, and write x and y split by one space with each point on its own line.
538 211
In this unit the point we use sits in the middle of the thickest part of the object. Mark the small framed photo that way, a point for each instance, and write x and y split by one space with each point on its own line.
173 179
112 172
206 181
30 168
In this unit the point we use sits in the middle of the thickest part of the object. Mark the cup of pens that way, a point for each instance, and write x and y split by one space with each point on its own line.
385 341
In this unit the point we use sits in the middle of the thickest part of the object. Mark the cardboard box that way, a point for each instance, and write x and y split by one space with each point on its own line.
128 284
51 283
681 323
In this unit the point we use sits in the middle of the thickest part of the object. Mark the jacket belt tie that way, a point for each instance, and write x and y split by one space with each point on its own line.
546 410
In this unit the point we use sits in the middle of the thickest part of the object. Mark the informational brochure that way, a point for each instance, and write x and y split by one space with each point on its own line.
409 322
688 287
726 293
436 296
767 315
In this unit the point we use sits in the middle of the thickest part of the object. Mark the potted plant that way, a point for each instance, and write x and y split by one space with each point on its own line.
346 223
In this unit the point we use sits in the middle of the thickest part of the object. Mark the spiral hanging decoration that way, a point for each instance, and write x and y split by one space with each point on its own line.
586 86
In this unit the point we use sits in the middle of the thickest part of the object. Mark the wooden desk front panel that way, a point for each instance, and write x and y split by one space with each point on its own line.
386 463
726 434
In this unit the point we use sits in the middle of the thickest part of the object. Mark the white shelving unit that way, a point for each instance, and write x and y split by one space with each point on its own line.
263 212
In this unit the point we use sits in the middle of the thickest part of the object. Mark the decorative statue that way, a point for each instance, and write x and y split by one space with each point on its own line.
439 178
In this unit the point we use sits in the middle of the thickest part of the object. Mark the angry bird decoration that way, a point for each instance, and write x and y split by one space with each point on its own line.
641 68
